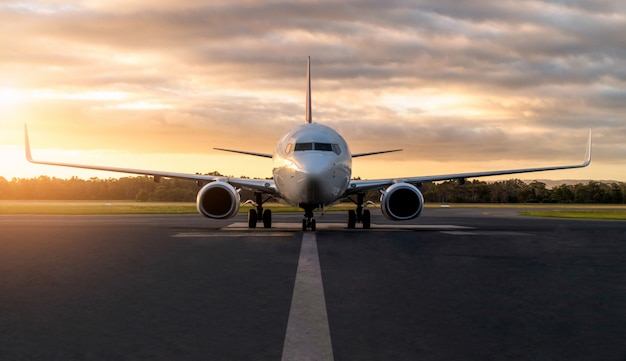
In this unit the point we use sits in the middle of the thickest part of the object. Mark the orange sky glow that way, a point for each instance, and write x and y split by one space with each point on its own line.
460 87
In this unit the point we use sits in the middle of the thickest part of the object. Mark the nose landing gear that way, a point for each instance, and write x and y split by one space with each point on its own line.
308 223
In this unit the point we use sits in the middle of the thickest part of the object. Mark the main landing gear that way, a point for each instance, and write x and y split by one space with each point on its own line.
258 214
360 215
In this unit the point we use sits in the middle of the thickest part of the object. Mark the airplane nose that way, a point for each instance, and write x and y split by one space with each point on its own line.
313 190
314 166
315 173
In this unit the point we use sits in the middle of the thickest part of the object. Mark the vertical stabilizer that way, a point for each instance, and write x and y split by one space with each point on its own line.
309 117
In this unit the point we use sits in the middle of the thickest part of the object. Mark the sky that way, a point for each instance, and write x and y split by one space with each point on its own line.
460 85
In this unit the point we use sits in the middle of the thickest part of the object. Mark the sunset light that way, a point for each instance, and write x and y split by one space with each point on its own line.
312 179
160 84
10 98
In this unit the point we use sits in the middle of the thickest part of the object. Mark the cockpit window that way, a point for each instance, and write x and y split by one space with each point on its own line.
324 147
304 146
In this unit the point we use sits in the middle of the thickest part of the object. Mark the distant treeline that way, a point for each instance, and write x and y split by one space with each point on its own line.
517 191
176 190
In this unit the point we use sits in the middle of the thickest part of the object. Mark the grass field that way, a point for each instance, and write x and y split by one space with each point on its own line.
125 207
616 214
128 207
95 207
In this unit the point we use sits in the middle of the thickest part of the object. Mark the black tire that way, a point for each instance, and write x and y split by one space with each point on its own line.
351 219
252 218
366 220
267 218
313 225
304 224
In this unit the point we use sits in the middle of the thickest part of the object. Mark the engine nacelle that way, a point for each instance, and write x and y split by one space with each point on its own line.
218 200
401 202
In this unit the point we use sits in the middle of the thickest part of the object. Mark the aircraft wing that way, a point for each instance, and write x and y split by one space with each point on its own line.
260 185
365 185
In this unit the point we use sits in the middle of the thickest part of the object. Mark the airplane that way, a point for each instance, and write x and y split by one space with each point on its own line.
312 167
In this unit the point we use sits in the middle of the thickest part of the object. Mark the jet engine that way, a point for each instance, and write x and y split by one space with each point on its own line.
401 202
218 200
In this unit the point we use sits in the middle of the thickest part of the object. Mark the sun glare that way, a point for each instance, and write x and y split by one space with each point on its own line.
141 105
10 97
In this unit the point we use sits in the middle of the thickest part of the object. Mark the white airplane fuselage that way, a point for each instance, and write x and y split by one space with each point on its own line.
312 165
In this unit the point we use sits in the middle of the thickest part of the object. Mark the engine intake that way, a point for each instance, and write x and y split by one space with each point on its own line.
218 200
401 202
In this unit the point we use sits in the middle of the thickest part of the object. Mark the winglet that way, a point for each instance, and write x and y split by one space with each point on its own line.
29 156
588 153
309 117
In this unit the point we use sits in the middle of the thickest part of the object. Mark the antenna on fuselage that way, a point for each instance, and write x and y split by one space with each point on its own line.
309 117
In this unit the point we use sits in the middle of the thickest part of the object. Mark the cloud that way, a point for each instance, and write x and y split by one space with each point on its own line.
516 79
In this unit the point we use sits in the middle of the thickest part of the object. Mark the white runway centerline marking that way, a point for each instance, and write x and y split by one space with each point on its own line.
308 333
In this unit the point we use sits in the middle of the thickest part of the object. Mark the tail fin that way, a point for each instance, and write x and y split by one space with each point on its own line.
309 117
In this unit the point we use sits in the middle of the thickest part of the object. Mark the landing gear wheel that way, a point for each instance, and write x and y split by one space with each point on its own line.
267 218
351 219
252 218
308 224
366 219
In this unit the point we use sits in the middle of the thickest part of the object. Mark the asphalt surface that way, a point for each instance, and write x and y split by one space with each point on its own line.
455 284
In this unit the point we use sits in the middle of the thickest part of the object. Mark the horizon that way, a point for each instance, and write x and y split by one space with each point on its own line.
549 182
459 87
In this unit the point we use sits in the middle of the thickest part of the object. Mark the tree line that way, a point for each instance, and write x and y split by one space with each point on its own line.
517 191
145 189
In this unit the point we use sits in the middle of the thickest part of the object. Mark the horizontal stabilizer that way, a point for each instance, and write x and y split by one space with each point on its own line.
374 153
264 155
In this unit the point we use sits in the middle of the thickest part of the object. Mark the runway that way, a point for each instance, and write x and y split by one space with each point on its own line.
454 284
